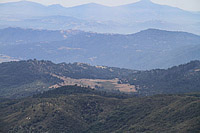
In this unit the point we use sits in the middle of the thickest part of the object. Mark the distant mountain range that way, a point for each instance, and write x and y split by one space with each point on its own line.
148 49
26 78
98 18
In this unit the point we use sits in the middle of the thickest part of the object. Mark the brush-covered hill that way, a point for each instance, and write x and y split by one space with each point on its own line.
79 110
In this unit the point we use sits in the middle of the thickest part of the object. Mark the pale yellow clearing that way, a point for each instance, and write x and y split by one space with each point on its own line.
111 84
197 70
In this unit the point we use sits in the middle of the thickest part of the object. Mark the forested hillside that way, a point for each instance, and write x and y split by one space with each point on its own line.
178 79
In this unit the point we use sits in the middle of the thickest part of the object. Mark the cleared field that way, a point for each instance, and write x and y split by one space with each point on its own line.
96 84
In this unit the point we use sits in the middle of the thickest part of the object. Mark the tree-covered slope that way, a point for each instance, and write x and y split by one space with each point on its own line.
24 78
153 114
90 111
178 79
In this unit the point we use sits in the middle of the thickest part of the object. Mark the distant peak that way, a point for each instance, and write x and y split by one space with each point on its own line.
25 3
153 30
55 5
141 3
93 5
145 1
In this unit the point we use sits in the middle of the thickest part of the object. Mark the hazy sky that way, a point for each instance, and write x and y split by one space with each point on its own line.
192 5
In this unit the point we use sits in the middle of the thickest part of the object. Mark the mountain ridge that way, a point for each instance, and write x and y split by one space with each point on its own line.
24 2
173 48
116 19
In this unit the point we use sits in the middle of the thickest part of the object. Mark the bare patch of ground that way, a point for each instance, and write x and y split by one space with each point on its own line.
197 70
111 84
